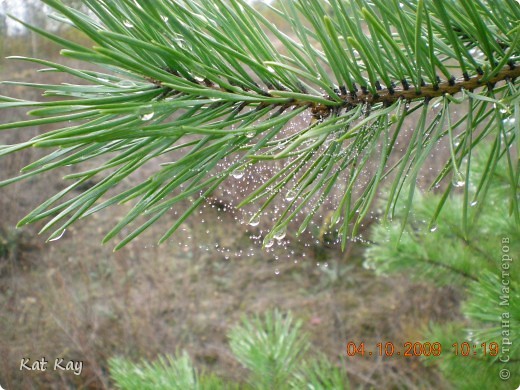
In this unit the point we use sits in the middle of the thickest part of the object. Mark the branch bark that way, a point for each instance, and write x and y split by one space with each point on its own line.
388 96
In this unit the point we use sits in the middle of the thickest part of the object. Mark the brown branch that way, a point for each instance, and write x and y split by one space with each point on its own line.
389 95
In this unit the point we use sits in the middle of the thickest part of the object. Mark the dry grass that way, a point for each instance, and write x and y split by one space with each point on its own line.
80 301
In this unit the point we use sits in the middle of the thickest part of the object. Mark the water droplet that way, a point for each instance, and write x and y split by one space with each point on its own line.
255 221
250 134
474 203
128 24
147 117
126 84
269 244
290 196
146 113
238 174
164 18
277 271
433 228
459 182
59 236
280 235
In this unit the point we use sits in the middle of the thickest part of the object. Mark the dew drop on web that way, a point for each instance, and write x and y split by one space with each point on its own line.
238 174
290 196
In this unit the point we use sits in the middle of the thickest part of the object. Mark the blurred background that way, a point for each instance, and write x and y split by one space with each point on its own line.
77 299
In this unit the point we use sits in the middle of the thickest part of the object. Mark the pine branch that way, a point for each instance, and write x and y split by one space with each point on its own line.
210 70
386 96
450 268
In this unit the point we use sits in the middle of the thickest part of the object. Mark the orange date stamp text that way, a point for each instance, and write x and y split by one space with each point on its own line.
417 348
